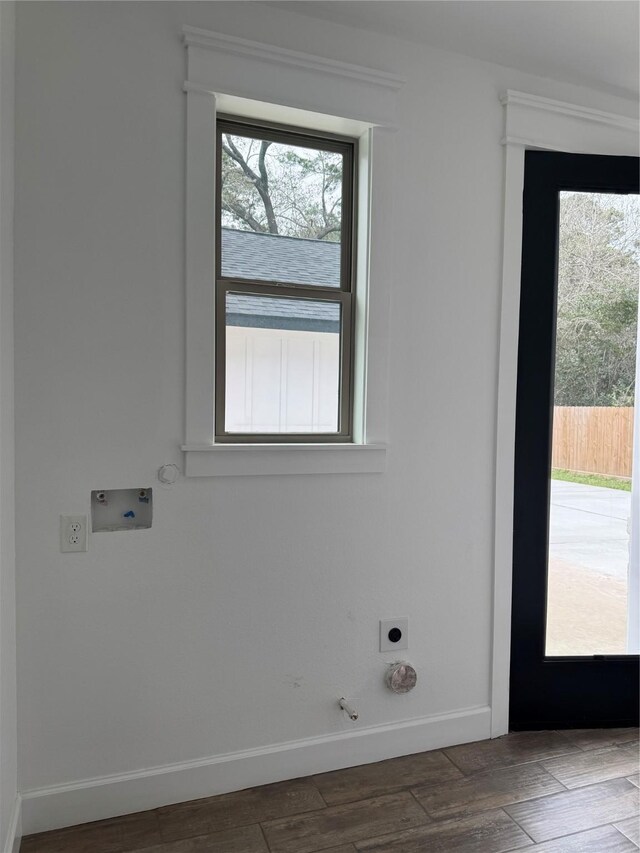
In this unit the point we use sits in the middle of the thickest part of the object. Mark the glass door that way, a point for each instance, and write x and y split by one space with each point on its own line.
589 608
575 601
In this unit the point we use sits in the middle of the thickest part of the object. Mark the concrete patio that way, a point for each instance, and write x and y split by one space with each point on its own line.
588 561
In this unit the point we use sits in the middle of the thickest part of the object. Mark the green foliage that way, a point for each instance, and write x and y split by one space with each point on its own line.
597 300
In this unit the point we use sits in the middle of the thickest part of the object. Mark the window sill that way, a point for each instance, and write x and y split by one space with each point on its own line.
237 460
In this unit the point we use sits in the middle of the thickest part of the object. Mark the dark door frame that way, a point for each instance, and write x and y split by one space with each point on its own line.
567 692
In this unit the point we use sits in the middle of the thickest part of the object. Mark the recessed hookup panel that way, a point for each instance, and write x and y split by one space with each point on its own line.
121 509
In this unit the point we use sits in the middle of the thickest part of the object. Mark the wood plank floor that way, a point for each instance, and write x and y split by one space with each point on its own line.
544 792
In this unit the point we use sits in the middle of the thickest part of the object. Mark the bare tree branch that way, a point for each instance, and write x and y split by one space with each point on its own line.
235 154
263 188
330 229
261 181
236 209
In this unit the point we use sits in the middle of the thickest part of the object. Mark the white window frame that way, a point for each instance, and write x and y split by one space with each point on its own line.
256 81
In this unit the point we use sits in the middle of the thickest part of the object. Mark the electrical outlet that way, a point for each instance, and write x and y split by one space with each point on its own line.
73 533
394 634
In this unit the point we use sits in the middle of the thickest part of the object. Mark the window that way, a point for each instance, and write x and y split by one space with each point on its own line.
331 417
284 284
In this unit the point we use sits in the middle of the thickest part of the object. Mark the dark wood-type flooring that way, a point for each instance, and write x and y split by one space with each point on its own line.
548 792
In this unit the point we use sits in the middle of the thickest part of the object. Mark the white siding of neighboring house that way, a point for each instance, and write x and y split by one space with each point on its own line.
281 380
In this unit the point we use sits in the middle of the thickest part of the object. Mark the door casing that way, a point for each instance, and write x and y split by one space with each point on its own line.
568 692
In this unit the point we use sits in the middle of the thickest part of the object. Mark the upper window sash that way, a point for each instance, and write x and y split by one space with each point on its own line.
345 146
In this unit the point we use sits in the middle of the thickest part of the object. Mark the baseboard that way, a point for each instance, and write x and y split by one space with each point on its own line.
96 799
14 833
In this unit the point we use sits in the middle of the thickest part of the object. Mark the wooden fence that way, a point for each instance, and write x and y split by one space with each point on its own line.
596 440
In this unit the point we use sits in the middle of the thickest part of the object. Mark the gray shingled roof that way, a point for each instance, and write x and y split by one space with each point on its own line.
268 312
270 257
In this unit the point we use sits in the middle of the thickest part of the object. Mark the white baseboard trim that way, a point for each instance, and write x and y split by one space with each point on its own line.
14 833
96 799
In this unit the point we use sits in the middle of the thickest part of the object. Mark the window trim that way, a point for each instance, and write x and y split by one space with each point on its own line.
246 78
345 294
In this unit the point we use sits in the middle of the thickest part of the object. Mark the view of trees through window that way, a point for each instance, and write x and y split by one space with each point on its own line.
274 188
597 299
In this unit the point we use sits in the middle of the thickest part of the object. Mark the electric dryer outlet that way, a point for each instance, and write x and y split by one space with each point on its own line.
394 634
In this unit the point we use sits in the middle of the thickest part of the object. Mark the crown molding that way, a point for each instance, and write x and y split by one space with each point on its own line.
194 36
522 99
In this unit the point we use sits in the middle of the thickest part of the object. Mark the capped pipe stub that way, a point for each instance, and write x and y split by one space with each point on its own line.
348 708
401 677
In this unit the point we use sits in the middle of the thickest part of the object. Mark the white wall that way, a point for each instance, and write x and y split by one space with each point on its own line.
8 730
253 603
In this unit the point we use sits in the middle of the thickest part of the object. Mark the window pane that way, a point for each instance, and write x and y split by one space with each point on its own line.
588 603
282 364
281 212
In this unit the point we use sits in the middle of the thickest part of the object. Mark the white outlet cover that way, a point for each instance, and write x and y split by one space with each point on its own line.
73 533
387 625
